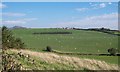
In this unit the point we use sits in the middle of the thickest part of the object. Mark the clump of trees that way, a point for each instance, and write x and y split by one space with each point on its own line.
9 41
112 51
100 29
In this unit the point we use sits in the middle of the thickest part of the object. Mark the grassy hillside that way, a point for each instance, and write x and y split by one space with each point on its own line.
79 41
51 61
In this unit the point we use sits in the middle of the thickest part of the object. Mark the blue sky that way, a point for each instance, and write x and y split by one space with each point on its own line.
60 14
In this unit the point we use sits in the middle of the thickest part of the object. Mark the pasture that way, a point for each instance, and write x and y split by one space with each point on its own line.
79 41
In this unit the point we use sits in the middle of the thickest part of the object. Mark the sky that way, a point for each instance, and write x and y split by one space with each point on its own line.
60 14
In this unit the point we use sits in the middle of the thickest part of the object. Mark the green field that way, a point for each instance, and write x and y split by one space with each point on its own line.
79 41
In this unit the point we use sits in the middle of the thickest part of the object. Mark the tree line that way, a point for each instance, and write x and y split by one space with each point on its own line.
52 33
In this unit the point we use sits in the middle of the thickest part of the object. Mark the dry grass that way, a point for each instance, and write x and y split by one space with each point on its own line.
74 61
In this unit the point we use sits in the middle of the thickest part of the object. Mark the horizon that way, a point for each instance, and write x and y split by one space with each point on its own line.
60 27
60 14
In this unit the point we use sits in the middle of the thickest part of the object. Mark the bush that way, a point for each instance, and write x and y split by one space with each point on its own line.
49 49
9 41
112 51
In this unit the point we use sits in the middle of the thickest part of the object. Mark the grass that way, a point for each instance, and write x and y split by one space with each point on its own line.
50 61
40 64
108 59
79 41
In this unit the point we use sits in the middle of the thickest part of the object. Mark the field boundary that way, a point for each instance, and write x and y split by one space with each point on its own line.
52 33
70 53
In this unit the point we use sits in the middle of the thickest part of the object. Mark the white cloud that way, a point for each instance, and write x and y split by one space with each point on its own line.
105 17
13 14
93 6
98 6
2 5
81 9
20 21
106 20
109 3
29 19
102 5
13 22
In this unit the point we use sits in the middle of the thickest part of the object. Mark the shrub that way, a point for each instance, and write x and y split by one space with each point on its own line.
112 51
49 49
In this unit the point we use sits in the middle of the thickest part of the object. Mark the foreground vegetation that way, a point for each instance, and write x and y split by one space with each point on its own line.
51 61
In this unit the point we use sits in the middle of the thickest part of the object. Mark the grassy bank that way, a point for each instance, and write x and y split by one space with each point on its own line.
52 61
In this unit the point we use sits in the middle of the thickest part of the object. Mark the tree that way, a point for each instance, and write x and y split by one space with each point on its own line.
9 41
6 37
112 51
48 48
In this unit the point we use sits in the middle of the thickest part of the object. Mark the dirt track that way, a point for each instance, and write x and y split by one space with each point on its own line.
77 62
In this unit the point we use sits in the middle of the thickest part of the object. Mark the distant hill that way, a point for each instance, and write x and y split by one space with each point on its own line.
18 27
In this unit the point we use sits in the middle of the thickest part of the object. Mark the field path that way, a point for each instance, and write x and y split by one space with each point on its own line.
76 62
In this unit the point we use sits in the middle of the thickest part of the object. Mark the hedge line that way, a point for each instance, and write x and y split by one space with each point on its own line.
52 33
70 53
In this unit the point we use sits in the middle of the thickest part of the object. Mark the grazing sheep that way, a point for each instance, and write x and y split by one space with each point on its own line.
110 43
98 50
72 37
59 41
61 46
